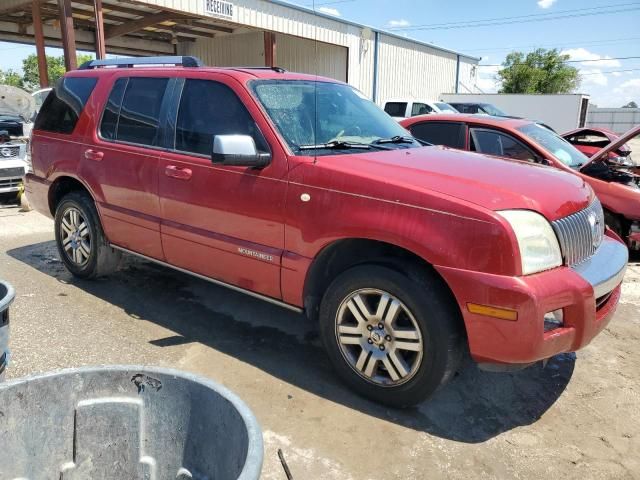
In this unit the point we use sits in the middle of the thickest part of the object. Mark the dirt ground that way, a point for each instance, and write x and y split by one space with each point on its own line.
577 418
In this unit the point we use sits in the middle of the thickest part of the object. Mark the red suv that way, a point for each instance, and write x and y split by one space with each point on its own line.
300 191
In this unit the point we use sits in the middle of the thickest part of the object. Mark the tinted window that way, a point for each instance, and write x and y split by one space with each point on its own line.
465 108
63 106
558 146
495 143
207 109
112 110
140 111
449 134
420 109
396 109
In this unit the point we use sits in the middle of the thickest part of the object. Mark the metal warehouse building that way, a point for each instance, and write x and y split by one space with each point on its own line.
243 33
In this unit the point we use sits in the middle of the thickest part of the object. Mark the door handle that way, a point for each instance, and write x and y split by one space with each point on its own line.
93 155
177 172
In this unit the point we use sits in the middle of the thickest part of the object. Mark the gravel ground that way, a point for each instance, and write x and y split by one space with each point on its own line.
577 418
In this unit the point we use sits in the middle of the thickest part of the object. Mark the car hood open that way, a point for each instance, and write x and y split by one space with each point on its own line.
15 101
621 140
491 182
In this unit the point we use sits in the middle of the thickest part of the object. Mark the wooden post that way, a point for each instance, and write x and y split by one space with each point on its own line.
269 49
40 51
68 35
101 49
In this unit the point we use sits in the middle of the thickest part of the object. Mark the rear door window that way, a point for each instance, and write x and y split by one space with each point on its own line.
63 106
396 109
132 112
492 142
139 118
420 109
209 108
449 134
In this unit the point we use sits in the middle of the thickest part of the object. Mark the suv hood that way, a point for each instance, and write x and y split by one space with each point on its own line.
490 182
16 102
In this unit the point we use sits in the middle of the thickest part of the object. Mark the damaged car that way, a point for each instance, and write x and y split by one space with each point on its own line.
591 140
615 179
16 109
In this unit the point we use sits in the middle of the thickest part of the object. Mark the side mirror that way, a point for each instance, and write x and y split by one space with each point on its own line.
238 151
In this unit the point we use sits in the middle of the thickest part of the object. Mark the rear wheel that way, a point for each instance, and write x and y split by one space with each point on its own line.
392 337
80 239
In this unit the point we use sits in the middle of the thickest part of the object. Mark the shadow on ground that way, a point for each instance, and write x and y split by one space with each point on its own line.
474 407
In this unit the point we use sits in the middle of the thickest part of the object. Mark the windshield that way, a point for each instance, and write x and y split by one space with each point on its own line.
308 113
492 110
445 107
561 149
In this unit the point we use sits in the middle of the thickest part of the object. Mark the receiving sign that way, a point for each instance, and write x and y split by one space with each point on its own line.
218 8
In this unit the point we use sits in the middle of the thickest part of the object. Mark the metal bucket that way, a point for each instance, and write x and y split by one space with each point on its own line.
6 297
126 422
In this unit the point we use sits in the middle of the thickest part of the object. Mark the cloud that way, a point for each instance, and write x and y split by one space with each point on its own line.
633 85
546 3
329 11
398 23
487 81
593 76
594 60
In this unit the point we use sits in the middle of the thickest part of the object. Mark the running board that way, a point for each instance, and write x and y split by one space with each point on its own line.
213 280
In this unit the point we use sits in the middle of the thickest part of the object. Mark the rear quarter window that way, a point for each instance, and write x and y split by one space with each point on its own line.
63 106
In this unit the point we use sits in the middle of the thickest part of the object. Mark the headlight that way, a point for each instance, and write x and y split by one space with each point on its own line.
539 248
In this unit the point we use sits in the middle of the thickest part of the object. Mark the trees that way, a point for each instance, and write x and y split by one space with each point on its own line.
630 105
540 71
30 78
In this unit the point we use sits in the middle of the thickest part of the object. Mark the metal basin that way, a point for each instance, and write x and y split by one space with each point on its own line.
7 295
125 422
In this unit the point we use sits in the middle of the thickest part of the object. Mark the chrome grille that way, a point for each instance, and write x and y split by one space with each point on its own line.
9 151
581 233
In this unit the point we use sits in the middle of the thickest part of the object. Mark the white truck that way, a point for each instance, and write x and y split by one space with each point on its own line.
562 112
404 108
16 111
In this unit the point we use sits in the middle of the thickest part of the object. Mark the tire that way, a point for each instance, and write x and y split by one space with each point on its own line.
82 245
416 351
614 222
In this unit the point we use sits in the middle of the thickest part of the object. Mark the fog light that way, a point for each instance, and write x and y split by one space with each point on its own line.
553 320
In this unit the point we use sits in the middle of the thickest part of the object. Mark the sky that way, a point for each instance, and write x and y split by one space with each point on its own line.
584 32
595 33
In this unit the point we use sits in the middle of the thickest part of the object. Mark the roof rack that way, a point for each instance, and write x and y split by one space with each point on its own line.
275 69
130 62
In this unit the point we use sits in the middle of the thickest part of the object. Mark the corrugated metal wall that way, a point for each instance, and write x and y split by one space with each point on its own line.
468 77
410 70
619 120
306 56
245 49
406 68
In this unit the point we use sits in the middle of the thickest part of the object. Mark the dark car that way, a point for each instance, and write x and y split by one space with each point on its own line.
475 108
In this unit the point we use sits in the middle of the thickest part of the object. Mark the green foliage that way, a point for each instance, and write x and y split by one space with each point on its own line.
10 77
30 78
630 105
540 71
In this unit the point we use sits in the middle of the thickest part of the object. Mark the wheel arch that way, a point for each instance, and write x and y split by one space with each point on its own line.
340 255
63 185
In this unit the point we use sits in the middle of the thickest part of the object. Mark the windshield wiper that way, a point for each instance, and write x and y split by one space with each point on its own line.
335 145
396 139
341 145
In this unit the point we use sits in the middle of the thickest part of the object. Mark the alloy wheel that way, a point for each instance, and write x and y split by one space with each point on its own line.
75 236
379 337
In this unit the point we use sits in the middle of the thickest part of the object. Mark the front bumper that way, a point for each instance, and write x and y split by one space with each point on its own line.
588 295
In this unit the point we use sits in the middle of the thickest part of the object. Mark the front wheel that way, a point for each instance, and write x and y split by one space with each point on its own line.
392 337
